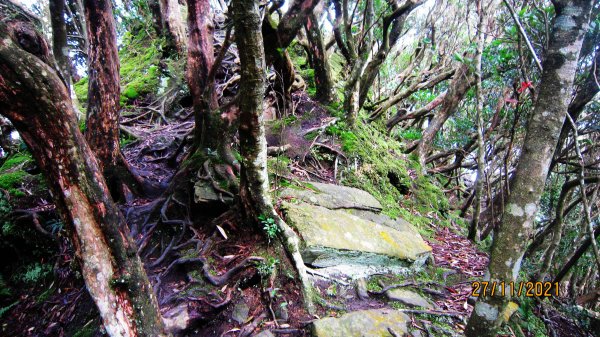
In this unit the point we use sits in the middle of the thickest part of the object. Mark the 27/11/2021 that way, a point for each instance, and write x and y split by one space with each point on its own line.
528 289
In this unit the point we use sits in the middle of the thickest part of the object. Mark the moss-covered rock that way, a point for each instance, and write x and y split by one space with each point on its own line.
336 237
365 323
334 197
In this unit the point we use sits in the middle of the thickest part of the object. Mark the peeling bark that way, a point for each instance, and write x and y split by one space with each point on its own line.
515 231
102 124
37 102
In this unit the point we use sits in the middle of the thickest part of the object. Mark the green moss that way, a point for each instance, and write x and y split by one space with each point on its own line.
81 90
15 160
140 72
383 170
11 180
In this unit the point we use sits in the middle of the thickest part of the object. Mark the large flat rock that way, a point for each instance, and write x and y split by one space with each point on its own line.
333 197
365 323
332 237
409 298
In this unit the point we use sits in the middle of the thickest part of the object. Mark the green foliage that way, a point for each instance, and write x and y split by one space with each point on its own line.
389 175
15 160
5 221
5 290
12 175
409 134
140 59
348 138
528 320
81 90
269 226
12 181
33 273
267 268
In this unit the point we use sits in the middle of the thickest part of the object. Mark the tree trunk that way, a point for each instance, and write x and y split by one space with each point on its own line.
396 19
277 55
276 40
111 268
173 25
320 61
560 64
59 40
254 180
480 127
461 83
102 125
352 86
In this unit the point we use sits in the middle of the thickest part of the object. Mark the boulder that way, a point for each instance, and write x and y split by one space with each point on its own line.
333 197
382 219
364 323
240 312
408 297
332 237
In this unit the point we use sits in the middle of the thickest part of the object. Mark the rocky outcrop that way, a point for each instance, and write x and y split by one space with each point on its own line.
342 226
364 323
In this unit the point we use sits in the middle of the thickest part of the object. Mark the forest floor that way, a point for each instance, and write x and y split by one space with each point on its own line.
203 261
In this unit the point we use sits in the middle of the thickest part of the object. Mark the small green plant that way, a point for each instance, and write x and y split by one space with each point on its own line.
269 226
267 267
34 273
5 309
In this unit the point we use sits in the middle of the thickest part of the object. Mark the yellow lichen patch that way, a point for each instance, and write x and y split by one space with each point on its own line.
510 309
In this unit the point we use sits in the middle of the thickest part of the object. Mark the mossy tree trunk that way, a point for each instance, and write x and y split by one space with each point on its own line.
560 65
254 183
102 125
37 102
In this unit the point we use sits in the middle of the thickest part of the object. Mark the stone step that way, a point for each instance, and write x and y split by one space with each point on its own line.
363 323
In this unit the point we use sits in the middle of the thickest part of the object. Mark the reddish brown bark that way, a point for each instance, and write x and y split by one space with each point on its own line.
200 60
37 102
102 125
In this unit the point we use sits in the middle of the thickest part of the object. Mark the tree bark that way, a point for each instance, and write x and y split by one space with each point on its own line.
59 40
320 61
560 64
37 102
585 244
173 25
254 180
480 127
276 40
102 125
461 83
